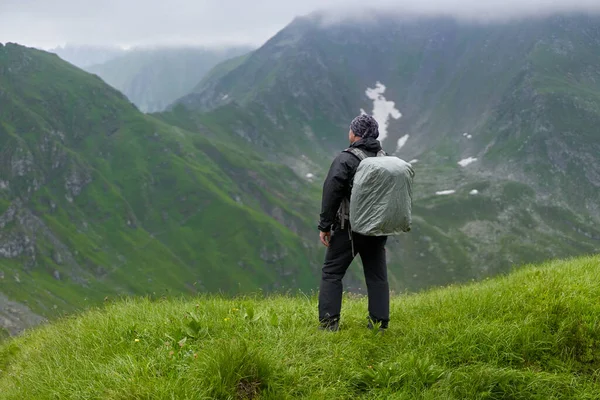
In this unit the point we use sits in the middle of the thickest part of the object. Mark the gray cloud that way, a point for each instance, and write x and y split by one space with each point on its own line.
45 23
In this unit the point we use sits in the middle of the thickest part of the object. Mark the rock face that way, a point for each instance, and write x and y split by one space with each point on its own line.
23 242
15 317
77 179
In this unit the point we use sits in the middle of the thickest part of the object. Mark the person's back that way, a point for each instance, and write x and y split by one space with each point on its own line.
343 244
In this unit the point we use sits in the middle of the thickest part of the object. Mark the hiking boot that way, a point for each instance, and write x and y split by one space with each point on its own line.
332 326
383 325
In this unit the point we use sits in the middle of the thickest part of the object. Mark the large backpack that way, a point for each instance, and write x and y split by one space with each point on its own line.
381 196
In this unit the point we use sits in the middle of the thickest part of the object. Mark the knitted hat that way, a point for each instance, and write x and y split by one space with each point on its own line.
365 126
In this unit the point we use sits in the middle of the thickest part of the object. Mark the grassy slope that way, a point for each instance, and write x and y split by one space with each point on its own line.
530 335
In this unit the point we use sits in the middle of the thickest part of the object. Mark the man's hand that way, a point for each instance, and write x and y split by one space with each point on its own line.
325 238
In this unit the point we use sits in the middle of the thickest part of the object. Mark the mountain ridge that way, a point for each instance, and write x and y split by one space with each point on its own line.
478 115
513 62
99 199
153 78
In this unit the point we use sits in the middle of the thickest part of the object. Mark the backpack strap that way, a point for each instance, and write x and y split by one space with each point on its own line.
361 155
358 153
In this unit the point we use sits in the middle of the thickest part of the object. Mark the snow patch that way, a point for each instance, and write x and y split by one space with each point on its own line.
362 111
309 176
225 97
467 161
413 161
3 185
467 135
445 192
402 142
382 108
474 192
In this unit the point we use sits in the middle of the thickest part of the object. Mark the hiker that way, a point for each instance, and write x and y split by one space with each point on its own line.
343 244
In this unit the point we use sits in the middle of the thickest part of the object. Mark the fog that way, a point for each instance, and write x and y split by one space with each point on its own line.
125 23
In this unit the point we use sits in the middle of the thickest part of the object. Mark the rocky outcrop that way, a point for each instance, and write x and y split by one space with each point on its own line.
75 181
21 241
16 317
21 162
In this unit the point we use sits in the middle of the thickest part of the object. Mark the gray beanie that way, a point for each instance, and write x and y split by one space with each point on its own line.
365 126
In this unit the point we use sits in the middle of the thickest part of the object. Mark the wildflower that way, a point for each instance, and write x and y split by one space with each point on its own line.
226 319
137 340
195 355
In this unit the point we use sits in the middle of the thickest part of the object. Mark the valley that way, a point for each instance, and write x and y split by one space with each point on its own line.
219 191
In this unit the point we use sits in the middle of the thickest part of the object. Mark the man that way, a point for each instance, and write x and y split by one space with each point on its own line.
342 244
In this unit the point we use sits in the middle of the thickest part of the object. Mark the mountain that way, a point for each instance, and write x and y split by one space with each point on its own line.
444 77
98 199
221 191
529 335
85 55
499 121
154 78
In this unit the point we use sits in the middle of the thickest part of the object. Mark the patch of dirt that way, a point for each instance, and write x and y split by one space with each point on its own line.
248 390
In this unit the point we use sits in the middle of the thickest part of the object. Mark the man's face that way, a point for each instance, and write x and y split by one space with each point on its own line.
352 137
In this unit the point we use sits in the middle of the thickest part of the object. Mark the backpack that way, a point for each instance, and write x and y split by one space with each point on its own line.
381 196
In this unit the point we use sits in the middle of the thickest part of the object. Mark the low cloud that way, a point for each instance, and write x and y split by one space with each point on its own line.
473 10
46 23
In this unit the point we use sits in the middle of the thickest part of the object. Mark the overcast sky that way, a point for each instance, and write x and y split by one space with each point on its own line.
47 23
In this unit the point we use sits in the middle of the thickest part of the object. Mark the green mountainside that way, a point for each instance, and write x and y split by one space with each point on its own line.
516 102
98 199
221 191
154 78
530 335
525 91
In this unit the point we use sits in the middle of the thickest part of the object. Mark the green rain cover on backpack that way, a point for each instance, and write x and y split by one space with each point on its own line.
381 198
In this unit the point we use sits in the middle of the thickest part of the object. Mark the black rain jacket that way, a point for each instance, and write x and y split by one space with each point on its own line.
338 184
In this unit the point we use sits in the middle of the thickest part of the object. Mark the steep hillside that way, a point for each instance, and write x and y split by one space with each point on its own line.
530 335
525 93
499 121
154 78
445 78
97 199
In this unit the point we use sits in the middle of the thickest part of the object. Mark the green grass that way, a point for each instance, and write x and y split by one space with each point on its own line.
531 335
